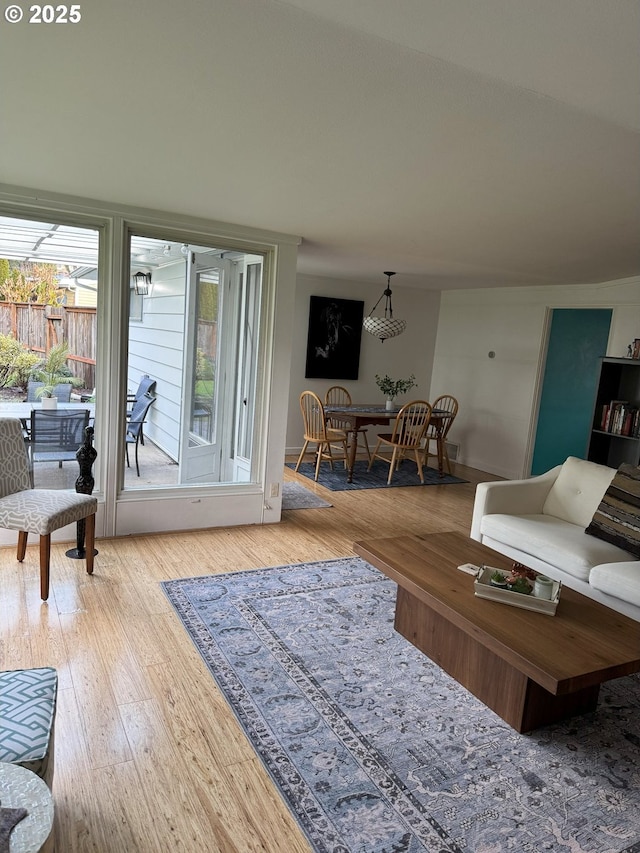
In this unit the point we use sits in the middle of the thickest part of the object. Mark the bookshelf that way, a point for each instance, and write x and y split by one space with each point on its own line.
615 430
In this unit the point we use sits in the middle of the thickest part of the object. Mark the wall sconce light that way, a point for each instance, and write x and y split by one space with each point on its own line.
142 283
384 327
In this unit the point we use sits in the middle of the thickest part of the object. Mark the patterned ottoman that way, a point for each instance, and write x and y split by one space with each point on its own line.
27 715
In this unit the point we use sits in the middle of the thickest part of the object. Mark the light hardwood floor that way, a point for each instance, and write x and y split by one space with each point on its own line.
148 755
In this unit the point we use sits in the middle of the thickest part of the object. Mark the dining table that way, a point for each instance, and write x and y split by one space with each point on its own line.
358 415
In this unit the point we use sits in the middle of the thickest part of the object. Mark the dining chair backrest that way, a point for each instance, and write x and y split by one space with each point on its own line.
62 391
337 396
446 403
411 423
14 463
32 390
313 416
56 434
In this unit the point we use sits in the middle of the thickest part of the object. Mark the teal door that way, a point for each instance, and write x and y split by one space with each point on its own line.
577 340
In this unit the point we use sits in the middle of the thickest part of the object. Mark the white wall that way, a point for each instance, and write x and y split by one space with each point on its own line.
411 352
498 396
156 346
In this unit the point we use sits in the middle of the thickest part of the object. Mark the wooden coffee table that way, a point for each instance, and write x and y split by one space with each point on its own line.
530 668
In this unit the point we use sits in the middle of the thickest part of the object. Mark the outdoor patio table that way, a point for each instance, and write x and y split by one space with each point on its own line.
23 410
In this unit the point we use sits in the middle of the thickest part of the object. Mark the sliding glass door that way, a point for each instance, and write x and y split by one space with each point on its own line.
194 331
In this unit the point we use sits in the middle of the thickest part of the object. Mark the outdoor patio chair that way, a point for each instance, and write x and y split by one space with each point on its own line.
40 511
408 431
55 435
62 391
145 389
133 434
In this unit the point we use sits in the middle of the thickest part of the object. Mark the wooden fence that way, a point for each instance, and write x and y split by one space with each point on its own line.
40 327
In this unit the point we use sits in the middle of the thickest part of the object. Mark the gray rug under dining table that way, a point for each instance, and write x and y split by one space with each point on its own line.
405 475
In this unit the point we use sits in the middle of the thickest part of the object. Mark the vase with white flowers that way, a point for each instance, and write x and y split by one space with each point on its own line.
392 387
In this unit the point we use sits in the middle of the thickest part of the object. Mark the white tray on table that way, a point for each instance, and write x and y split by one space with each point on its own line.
484 589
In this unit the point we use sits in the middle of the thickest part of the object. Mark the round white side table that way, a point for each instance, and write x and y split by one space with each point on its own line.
20 788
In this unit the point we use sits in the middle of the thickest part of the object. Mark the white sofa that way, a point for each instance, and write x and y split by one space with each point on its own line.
541 522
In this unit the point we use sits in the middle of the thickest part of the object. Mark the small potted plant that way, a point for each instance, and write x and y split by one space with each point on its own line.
392 387
51 372
498 579
521 579
521 585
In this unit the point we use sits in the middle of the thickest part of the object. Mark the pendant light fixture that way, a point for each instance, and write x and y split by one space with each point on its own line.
384 327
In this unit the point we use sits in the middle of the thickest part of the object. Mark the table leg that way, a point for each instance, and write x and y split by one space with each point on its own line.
440 447
353 446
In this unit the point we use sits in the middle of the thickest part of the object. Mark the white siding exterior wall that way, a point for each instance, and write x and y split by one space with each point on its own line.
156 348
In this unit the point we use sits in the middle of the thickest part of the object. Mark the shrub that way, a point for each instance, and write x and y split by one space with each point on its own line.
53 370
204 367
24 281
16 362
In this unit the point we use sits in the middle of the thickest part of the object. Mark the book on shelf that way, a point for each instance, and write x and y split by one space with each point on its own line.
620 417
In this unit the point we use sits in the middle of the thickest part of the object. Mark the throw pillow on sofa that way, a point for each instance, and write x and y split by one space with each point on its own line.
577 491
617 519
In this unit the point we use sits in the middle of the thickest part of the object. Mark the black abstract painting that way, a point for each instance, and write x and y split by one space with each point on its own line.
333 343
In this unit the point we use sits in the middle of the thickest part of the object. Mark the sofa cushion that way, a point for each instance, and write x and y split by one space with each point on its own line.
578 490
622 580
617 518
554 541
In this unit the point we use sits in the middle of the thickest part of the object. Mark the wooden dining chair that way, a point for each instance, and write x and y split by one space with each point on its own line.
409 428
448 404
327 439
339 396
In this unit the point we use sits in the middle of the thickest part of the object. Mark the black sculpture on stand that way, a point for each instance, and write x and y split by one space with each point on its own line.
86 456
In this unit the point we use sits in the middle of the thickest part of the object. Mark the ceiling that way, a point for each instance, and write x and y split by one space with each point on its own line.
462 143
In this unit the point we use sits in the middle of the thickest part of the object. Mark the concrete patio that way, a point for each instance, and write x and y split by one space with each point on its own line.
156 469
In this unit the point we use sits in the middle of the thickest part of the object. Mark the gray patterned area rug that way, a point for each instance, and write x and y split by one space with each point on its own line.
377 750
405 475
295 496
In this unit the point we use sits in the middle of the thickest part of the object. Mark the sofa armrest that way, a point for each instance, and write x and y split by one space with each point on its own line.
511 497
